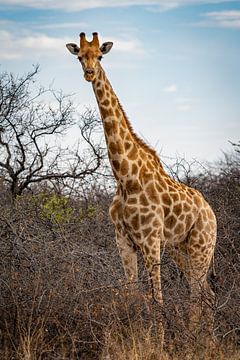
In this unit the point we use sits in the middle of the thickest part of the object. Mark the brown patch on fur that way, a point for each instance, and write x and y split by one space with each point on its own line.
188 221
179 229
166 210
120 149
166 199
129 210
159 188
115 210
150 241
133 153
198 201
182 216
99 93
146 250
135 222
175 196
113 101
191 191
186 207
112 148
115 126
204 215
143 200
201 240
156 223
169 181
144 210
132 201
146 231
167 233
110 112
152 193
134 169
116 165
145 219
177 209
122 132
150 166
127 145
170 221
144 175
133 186
183 196
106 102
124 167
108 128
200 223
142 154
104 112
117 113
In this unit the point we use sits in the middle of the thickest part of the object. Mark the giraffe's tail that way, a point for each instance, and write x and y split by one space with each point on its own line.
213 275
213 267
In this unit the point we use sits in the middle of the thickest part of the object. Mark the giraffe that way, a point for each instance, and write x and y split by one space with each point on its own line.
150 210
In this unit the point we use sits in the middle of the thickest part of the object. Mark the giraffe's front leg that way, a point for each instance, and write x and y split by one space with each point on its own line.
128 255
126 247
151 253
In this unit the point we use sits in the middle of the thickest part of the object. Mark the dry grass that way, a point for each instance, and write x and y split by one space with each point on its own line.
63 295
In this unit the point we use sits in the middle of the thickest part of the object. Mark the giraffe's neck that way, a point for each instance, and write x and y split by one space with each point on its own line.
127 153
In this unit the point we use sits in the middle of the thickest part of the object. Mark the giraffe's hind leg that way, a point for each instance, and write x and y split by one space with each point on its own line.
194 256
200 247
128 255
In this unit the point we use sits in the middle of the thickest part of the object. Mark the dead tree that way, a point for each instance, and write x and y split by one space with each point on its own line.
32 131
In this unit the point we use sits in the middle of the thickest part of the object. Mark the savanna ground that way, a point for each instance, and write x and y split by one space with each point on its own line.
62 286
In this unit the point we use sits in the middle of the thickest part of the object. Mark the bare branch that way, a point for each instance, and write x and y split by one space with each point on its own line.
30 129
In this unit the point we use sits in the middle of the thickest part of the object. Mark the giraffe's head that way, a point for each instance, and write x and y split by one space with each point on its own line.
90 54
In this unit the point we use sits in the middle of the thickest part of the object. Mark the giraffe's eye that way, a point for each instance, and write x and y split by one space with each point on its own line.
100 57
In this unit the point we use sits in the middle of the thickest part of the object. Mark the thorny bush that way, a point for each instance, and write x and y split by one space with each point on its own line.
62 287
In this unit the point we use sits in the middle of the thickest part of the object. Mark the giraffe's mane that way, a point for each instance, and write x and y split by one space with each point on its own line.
138 140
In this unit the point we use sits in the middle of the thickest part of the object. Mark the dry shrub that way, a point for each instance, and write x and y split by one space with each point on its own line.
136 332
63 294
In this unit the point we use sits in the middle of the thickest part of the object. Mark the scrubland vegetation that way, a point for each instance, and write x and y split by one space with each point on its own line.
63 292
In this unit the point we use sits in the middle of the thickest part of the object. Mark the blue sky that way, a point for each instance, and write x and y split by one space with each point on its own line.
174 64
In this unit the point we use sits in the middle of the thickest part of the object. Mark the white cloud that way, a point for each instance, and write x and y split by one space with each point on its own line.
170 88
25 45
75 5
127 45
13 47
226 19
61 26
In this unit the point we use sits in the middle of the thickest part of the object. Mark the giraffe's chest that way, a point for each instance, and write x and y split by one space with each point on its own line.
134 215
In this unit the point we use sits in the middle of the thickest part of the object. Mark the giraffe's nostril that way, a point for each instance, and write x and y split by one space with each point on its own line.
89 71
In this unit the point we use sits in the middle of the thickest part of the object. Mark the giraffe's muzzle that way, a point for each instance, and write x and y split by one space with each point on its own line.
89 74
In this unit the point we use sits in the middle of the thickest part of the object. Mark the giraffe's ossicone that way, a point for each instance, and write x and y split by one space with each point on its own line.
150 210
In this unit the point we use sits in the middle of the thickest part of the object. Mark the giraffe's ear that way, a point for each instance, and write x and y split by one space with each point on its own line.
73 48
106 47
